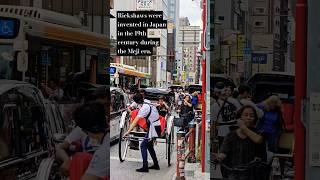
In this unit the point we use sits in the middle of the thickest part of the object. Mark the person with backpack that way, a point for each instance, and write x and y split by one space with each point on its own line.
224 111
150 113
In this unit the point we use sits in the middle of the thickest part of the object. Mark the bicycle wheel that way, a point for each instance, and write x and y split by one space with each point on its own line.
123 143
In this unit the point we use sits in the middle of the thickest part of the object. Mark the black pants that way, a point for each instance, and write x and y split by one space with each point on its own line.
147 145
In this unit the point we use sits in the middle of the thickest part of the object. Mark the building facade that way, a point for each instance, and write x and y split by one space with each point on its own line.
173 28
155 65
189 42
270 33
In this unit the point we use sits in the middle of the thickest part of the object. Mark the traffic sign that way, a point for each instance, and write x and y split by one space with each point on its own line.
259 58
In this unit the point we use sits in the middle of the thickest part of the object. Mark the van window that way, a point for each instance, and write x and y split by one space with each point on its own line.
8 130
31 123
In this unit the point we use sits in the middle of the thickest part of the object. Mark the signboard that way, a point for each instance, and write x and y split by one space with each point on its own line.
154 33
145 4
259 58
240 45
112 70
8 28
314 130
170 27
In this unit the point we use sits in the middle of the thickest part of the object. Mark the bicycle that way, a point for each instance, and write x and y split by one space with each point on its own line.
254 170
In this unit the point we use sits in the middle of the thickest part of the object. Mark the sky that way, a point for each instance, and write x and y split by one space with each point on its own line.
192 10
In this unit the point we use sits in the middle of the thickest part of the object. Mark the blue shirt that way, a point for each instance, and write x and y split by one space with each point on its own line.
269 121
194 100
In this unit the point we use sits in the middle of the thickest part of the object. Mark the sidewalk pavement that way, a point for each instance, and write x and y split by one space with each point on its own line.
193 172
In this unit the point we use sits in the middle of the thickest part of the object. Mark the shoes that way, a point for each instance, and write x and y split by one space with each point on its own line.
156 167
143 169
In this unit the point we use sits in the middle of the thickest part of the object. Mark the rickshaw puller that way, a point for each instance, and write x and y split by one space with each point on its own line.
150 113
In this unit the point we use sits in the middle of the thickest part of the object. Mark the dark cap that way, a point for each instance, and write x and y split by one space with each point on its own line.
219 87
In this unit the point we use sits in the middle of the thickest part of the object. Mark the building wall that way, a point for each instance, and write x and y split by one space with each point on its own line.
158 69
173 17
189 41
223 13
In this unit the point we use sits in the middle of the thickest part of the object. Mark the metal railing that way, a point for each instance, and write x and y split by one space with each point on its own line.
186 149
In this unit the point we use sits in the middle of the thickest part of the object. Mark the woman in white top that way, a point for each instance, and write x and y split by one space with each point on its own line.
150 113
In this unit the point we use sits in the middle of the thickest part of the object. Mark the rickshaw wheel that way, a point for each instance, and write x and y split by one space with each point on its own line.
170 140
49 170
123 143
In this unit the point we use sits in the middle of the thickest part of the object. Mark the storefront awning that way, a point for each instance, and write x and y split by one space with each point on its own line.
66 34
133 73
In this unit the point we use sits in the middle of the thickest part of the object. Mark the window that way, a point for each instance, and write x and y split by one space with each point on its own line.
7 133
117 102
32 133
221 18
259 24
6 61
259 10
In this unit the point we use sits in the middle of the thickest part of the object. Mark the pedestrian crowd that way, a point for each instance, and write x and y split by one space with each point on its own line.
243 131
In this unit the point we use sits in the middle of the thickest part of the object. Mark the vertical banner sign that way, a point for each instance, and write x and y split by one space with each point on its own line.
137 33
314 130
240 45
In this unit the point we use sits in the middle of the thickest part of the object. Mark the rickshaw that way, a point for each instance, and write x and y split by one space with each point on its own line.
264 85
153 95
28 122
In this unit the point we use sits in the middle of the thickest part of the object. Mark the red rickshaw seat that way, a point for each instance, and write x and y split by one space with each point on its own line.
79 164
143 123
288 116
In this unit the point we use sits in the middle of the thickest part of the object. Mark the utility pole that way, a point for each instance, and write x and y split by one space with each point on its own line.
300 83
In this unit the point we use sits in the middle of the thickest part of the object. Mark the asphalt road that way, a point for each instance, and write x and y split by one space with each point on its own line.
127 169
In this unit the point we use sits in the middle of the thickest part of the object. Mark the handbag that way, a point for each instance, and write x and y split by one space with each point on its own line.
179 122
183 120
